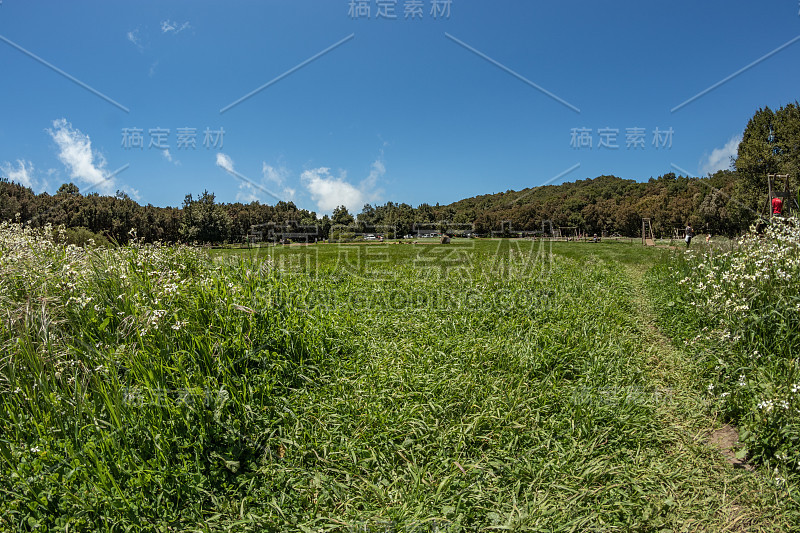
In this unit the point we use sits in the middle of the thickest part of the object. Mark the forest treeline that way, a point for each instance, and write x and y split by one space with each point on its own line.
726 202
604 204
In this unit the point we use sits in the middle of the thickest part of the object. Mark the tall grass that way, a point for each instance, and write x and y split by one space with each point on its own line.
151 388
738 311
138 381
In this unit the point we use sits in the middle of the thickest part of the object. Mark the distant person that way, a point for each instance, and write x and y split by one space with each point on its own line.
777 206
689 234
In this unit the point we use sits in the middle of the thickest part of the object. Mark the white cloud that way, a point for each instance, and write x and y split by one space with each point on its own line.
247 192
329 191
168 26
75 152
133 193
225 162
23 174
720 158
246 195
275 175
251 192
168 156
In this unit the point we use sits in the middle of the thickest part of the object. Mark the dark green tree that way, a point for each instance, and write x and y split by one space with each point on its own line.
757 154
68 189
204 221
342 217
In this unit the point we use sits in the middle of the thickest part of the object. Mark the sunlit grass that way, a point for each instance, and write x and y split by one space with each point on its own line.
480 386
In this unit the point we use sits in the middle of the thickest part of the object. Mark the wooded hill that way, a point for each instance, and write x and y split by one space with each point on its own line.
604 204
613 205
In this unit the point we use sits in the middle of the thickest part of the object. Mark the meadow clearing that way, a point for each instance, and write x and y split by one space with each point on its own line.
488 385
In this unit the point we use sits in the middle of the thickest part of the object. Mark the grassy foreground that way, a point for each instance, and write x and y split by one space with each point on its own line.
484 386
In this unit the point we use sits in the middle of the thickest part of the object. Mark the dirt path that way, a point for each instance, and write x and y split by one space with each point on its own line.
700 439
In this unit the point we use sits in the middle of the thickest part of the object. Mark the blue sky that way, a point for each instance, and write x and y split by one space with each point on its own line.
491 96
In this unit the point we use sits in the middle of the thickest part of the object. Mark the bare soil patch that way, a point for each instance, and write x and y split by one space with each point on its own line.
726 439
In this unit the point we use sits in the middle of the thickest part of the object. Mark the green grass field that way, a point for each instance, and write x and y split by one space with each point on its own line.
483 386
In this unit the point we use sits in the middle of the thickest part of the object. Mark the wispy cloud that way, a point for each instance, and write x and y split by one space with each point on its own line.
377 172
168 156
246 194
275 175
249 190
133 193
272 175
225 162
84 164
329 191
133 37
22 174
169 26
720 158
